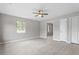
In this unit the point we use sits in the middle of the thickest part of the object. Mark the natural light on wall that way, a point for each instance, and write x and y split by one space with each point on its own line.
20 26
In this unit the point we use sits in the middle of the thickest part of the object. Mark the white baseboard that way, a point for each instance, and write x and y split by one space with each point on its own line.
19 40
63 41
68 42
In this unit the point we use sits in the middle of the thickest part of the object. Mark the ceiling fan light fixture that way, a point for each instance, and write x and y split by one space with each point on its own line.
40 13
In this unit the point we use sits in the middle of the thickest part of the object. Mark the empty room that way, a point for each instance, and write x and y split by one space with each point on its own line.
39 28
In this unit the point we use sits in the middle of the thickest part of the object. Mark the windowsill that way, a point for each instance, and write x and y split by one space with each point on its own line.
20 32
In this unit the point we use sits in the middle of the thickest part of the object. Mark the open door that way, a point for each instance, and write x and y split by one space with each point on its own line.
49 29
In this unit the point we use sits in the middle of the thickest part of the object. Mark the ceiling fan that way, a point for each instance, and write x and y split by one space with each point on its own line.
40 13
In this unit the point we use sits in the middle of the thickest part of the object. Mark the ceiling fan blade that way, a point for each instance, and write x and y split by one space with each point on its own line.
45 13
36 15
35 12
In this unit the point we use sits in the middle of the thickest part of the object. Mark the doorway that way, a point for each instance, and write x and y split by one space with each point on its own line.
49 29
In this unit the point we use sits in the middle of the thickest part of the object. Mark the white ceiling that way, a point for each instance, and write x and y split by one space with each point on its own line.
25 9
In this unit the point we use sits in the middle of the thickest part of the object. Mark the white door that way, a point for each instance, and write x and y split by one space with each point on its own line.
75 29
78 29
63 30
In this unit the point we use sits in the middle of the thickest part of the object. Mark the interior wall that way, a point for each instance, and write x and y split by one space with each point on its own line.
43 29
65 28
69 29
8 28
60 29
56 29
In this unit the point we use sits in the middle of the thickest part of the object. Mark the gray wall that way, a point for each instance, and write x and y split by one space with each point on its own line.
59 29
43 29
69 29
56 29
64 28
8 28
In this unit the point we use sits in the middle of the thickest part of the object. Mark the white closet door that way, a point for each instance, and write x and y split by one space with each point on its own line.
63 30
75 29
78 30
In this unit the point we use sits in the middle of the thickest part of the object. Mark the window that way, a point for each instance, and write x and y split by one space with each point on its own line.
20 26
